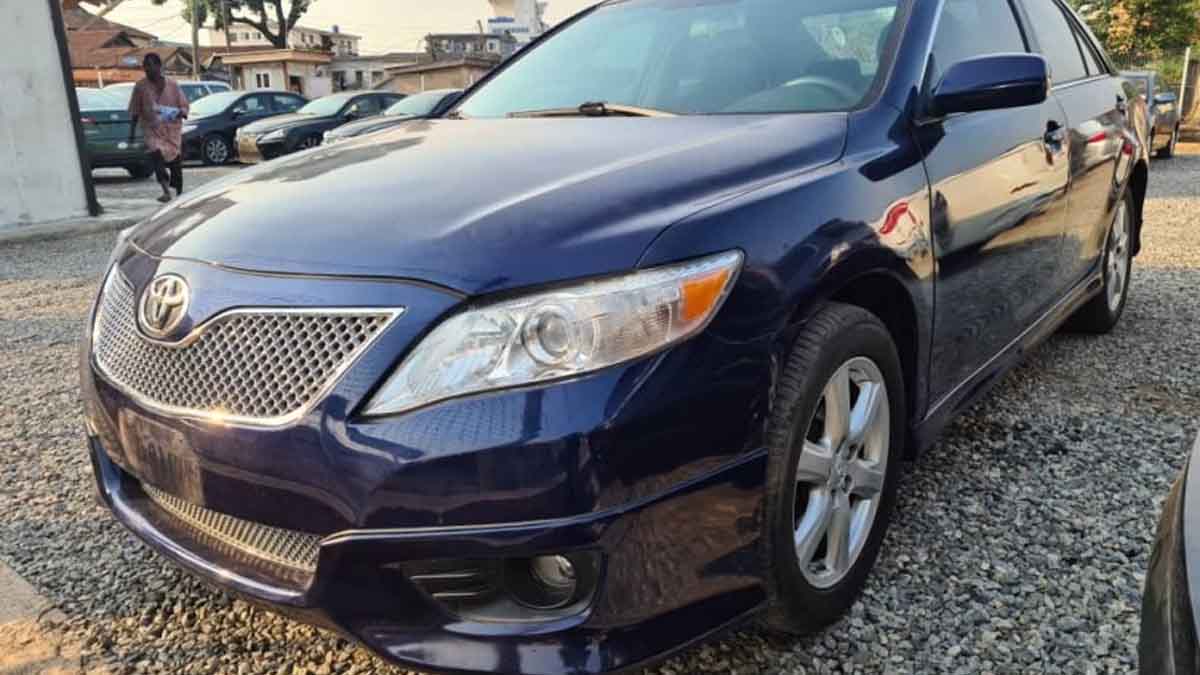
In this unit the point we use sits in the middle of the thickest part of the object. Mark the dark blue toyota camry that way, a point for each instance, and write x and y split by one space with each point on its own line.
628 346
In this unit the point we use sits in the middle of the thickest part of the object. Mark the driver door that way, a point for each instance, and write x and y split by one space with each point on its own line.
999 193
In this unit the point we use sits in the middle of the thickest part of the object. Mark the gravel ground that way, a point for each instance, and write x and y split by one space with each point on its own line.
1020 545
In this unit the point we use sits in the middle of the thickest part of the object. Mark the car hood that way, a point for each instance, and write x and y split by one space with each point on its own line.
377 123
484 205
281 121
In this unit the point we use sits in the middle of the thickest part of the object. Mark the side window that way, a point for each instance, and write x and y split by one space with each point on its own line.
1091 57
287 103
194 92
252 105
1057 41
366 105
971 28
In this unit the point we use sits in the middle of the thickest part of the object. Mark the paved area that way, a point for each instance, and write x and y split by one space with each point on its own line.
1020 545
125 201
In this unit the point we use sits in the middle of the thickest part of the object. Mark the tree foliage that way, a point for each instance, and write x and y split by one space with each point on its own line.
258 14
1133 30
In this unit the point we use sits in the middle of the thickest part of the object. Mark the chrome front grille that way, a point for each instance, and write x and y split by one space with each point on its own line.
257 366
294 550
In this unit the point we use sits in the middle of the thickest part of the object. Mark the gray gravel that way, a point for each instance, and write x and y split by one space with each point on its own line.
1020 545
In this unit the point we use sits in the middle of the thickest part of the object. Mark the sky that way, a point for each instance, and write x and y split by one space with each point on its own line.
385 25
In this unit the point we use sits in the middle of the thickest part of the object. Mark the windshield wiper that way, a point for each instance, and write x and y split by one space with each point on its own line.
595 109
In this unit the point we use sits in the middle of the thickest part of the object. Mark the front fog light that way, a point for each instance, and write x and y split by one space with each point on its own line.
550 582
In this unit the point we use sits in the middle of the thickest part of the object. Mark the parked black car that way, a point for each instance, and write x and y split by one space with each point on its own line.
306 128
212 126
425 105
1168 642
1163 119
106 134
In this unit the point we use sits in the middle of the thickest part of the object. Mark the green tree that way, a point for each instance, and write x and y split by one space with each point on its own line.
258 14
1142 29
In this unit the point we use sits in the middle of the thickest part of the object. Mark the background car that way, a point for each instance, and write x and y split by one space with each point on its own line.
417 106
1168 642
212 126
1163 106
307 126
194 90
106 133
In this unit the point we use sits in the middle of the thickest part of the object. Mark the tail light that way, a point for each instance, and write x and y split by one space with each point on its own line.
88 122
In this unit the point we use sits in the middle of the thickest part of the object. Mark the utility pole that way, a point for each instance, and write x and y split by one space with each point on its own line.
225 23
195 40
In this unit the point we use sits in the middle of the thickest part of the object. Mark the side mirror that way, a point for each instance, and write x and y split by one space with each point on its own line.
992 83
235 114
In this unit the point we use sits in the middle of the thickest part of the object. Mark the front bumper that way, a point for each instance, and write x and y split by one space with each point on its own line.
655 467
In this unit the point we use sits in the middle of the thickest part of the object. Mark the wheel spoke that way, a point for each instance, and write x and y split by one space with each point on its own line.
837 407
837 552
865 414
866 478
816 463
813 526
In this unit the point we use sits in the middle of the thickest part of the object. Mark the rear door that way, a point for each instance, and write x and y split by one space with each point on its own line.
286 103
1095 104
998 180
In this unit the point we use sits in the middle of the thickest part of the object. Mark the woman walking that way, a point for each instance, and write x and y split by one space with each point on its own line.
160 106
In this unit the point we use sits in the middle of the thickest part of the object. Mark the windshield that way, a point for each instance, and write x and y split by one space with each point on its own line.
325 106
417 105
701 57
94 99
214 104
123 92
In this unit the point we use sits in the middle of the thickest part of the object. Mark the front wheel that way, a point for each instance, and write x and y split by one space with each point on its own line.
836 441
1102 313
216 150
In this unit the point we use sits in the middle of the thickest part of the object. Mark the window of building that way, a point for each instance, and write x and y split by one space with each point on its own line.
492 46
263 80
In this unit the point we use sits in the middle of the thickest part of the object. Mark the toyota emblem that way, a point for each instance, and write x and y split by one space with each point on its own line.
164 304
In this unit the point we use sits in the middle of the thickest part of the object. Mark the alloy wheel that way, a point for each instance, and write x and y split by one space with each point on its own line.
310 142
216 150
1117 260
841 472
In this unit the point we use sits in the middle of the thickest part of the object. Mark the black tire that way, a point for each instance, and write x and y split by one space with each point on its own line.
1168 151
1100 315
310 141
838 335
140 171
215 150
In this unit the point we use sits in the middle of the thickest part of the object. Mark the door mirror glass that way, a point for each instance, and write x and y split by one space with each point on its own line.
992 83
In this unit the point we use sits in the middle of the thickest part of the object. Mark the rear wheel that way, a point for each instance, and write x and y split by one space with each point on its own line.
1169 151
836 442
216 150
1102 313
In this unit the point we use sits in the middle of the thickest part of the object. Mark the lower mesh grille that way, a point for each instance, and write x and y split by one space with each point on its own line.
288 548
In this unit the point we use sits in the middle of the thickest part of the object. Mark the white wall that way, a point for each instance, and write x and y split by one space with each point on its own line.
39 176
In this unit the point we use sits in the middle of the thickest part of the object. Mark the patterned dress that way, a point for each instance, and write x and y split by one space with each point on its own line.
161 136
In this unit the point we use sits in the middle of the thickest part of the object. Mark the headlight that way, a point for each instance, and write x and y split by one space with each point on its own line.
273 137
188 128
559 333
